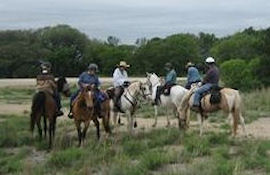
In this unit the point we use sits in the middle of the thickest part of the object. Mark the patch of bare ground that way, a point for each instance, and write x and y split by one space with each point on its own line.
253 172
18 109
258 129
180 167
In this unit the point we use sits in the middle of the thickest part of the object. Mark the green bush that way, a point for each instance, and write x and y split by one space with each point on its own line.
237 73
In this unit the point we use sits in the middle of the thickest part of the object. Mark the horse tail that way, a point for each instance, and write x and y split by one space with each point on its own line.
236 111
38 107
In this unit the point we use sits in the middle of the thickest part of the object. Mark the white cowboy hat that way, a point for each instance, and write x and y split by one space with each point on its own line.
189 64
210 60
123 64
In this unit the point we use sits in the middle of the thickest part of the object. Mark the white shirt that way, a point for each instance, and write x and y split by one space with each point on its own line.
119 77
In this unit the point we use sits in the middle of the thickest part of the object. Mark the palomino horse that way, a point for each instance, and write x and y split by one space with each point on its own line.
43 104
129 103
83 111
171 101
226 99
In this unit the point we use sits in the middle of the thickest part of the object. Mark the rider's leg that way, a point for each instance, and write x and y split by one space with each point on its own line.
199 92
158 93
57 99
118 93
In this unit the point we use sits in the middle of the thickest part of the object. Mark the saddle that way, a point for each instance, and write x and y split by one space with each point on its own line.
215 95
167 89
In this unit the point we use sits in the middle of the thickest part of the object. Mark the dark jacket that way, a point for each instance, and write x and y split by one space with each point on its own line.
212 75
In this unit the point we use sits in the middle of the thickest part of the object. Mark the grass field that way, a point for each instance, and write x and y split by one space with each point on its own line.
158 151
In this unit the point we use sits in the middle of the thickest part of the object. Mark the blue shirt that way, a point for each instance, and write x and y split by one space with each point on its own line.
86 78
170 77
193 75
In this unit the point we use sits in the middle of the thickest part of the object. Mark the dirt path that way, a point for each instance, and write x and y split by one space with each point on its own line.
257 129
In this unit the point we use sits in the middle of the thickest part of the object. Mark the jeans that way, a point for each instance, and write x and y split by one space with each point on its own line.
188 85
198 93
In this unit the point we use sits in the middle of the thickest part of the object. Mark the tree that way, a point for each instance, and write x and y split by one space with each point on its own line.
113 41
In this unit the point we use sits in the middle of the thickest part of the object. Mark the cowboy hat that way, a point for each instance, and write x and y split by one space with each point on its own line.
189 64
123 64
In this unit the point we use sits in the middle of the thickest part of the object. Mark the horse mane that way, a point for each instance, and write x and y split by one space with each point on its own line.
185 100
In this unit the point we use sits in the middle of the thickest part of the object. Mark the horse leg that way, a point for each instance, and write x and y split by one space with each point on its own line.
78 126
200 120
50 133
54 123
242 121
45 126
188 118
106 123
32 123
230 121
86 125
39 128
236 116
168 120
129 122
97 127
156 114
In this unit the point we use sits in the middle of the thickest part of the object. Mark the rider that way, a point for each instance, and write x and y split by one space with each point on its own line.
46 83
193 75
170 80
88 78
120 81
211 78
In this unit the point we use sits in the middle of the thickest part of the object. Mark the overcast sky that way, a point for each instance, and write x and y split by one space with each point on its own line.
131 19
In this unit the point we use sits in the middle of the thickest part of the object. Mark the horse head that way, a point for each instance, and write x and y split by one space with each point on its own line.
63 86
88 96
152 79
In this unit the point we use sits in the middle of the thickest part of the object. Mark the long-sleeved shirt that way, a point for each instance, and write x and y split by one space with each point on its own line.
170 78
193 75
212 76
119 77
87 79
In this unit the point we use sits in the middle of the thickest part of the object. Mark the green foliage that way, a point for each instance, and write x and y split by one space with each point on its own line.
70 51
236 73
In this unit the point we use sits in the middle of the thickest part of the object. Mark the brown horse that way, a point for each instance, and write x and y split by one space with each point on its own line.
84 110
226 99
43 104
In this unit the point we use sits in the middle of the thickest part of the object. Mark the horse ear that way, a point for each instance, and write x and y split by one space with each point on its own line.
148 74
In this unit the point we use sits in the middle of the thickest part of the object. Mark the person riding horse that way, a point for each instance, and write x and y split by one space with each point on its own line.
46 83
89 78
170 80
211 78
120 81
193 75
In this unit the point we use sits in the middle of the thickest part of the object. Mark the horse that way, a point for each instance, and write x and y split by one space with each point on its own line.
226 99
129 103
171 101
43 104
83 111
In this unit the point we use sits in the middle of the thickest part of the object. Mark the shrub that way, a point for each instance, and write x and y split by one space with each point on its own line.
238 74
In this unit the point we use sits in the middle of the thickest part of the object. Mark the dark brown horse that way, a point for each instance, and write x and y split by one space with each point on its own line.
43 104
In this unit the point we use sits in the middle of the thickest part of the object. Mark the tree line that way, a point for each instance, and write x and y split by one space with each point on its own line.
243 57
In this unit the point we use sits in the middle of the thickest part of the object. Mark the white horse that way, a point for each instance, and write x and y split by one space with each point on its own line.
129 103
171 101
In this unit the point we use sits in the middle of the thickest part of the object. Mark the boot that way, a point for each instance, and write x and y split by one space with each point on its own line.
59 113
